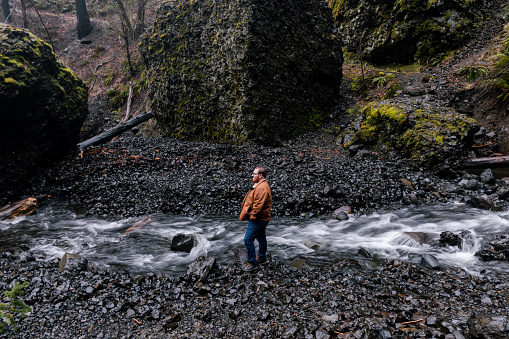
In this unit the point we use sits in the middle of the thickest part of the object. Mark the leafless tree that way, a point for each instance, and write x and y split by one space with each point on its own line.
127 30
140 16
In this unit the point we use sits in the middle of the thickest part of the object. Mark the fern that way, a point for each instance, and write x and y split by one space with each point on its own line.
474 72
7 310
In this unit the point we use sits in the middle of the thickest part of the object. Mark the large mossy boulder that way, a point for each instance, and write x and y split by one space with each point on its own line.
403 31
430 135
42 108
242 70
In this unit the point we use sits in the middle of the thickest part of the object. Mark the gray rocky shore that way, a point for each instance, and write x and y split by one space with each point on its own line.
393 299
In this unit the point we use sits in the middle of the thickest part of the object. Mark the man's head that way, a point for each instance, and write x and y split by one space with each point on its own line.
259 173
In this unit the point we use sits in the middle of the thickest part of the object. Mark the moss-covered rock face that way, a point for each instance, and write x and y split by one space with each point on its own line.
42 107
242 70
429 135
402 31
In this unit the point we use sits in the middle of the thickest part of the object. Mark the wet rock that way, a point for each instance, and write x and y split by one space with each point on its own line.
312 245
449 239
341 216
496 249
240 256
342 213
488 326
299 263
183 243
503 192
472 184
429 261
487 177
365 253
201 268
71 262
414 239
171 322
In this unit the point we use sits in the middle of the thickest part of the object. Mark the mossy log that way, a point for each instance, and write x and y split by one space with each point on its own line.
110 134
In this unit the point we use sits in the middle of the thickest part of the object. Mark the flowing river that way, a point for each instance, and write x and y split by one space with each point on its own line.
56 230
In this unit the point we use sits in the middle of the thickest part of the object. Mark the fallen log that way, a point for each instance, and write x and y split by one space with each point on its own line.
487 162
20 208
110 134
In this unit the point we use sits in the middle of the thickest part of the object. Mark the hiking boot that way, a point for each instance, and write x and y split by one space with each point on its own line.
265 262
248 267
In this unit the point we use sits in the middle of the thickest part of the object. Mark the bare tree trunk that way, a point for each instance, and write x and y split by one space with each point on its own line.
127 30
84 26
6 10
24 11
123 16
125 35
140 16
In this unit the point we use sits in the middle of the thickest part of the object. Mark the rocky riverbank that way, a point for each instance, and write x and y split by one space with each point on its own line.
309 177
392 299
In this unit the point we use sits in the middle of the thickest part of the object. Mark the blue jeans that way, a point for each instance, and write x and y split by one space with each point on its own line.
256 230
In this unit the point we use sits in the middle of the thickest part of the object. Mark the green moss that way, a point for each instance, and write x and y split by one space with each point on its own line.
421 134
13 82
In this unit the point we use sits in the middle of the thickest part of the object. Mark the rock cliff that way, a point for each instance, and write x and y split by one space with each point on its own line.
43 106
242 70
401 31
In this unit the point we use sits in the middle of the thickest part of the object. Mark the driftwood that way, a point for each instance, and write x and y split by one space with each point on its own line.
110 134
20 208
492 162
129 99
137 225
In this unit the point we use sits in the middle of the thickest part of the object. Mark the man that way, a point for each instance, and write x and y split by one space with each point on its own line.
256 208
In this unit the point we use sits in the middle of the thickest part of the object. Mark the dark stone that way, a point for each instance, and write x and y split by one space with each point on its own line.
488 326
413 199
201 268
43 106
171 322
342 213
429 261
235 313
240 256
183 243
503 192
496 249
487 177
450 239
365 253
251 71
341 216
472 184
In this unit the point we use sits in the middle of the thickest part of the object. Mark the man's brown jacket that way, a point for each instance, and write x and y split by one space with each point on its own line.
257 203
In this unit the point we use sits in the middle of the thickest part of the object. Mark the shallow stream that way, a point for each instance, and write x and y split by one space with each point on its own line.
56 230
